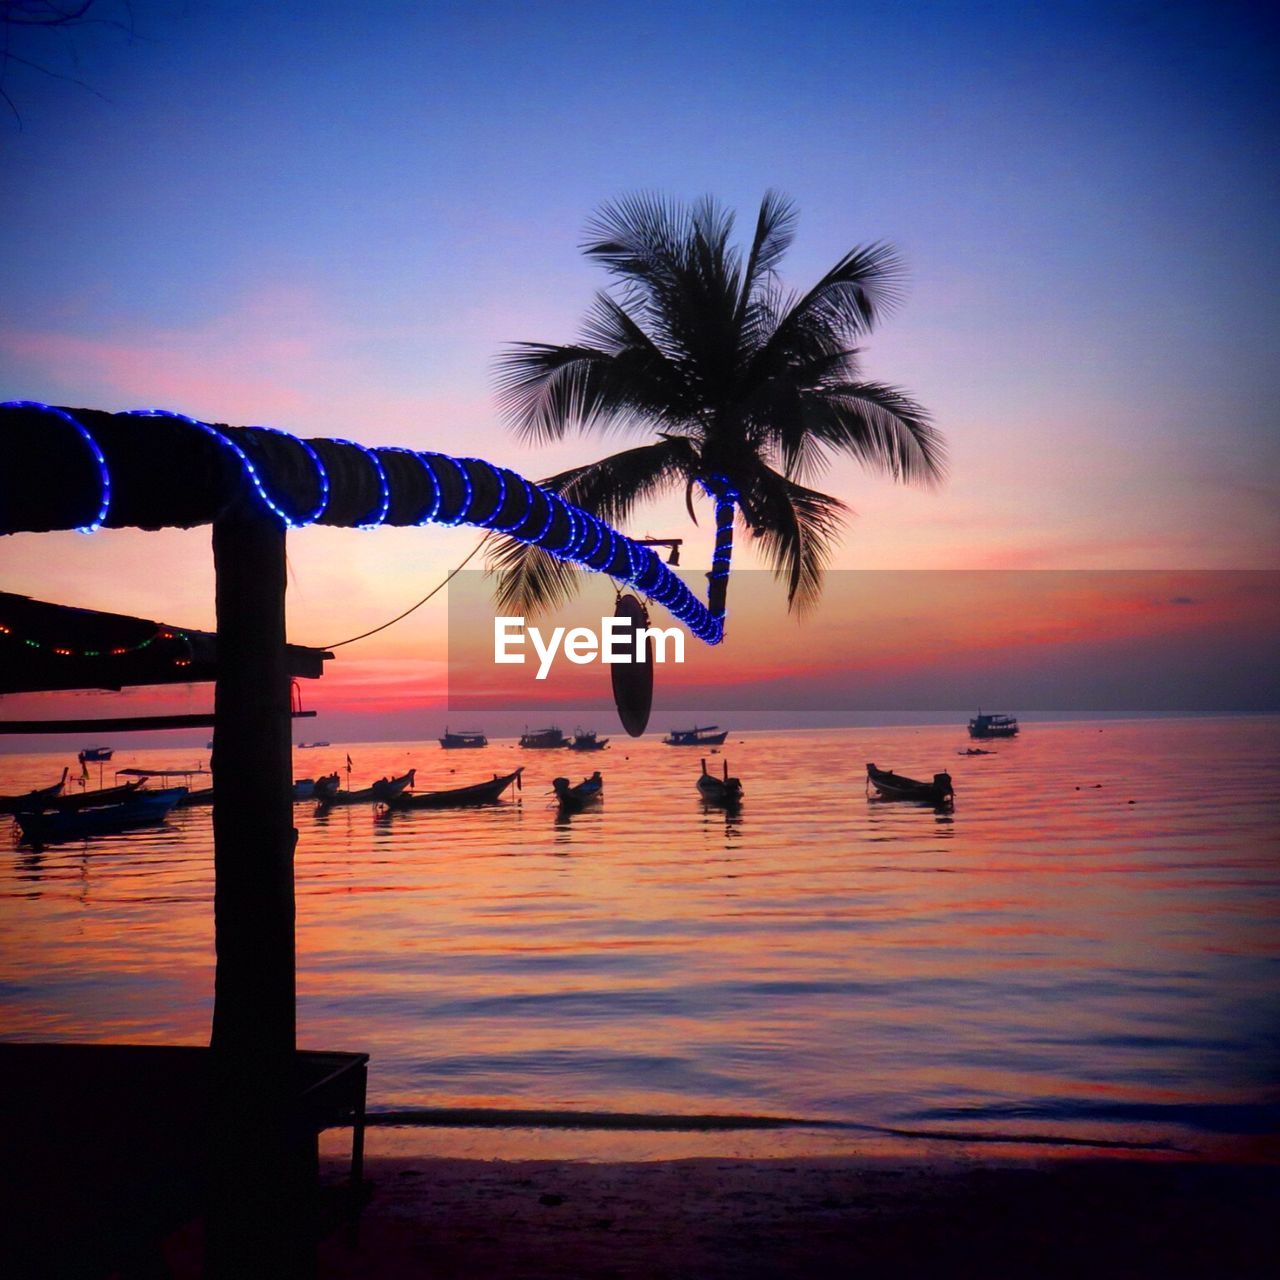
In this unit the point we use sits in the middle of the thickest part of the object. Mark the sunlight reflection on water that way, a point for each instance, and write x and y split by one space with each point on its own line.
1049 959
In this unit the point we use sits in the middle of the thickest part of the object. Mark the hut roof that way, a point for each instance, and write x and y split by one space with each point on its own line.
45 647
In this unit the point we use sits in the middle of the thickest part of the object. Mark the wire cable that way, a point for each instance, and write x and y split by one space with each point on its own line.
440 586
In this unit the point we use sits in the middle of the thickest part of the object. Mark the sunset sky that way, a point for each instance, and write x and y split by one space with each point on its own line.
329 218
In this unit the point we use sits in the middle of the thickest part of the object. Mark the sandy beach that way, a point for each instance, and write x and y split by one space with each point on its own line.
714 1218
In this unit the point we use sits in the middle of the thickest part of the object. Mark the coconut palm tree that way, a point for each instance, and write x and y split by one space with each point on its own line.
749 389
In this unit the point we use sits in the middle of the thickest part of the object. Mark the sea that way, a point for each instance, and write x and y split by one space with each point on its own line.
1081 956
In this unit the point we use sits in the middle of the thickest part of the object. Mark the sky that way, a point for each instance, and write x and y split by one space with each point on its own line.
330 218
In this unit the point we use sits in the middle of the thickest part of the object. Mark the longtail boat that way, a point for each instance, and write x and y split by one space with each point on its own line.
384 790
144 809
32 799
90 799
579 795
457 797
724 791
894 786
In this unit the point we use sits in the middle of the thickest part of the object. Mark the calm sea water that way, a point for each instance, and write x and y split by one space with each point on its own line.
1086 948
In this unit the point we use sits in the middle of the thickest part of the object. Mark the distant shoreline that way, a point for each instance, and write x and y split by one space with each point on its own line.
180 743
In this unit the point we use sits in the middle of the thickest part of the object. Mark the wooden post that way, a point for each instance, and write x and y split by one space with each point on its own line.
260 1221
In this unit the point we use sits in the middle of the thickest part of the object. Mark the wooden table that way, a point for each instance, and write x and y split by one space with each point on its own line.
103 1148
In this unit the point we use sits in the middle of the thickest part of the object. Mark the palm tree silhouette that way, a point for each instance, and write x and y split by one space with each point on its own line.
749 389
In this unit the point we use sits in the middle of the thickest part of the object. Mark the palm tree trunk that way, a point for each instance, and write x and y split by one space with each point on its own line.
726 497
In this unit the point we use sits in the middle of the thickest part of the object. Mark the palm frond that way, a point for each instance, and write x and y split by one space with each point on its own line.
611 487
845 304
775 230
797 528
531 580
543 391
880 426
639 240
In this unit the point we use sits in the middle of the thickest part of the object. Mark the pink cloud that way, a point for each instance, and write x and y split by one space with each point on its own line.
281 355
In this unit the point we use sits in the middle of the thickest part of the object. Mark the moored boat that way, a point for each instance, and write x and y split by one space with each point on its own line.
463 740
544 739
457 797
573 797
32 799
384 791
725 791
993 726
314 788
88 799
94 754
587 740
710 735
894 786
143 809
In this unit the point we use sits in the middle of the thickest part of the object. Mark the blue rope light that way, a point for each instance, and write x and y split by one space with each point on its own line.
379 515
104 476
428 515
468 490
645 570
247 467
431 515
322 475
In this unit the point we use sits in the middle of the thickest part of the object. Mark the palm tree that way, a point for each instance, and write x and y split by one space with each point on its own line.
749 389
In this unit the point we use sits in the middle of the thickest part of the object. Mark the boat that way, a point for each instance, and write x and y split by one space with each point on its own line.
166 775
724 791
88 799
457 797
204 795
145 809
993 726
90 754
463 740
543 739
311 788
587 741
893 786
575 797
307 746
32 799
384 790
975 751
708 736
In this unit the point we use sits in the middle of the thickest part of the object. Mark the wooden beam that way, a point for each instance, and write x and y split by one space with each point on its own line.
121 724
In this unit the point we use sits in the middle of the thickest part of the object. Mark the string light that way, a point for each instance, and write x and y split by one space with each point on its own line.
426 516
384 485
588 541
322 476
117 651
